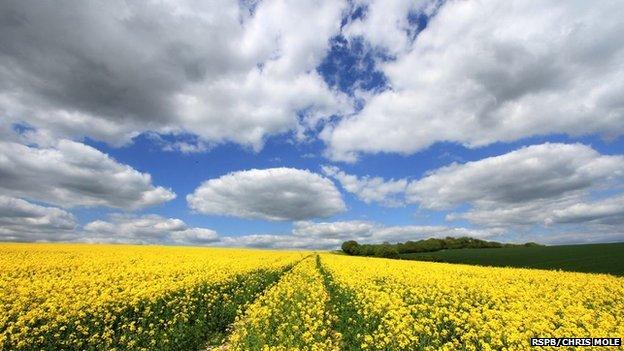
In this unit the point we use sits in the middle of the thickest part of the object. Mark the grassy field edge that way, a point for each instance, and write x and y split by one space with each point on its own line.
587 258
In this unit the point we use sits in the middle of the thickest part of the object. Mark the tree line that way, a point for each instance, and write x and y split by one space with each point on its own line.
388 250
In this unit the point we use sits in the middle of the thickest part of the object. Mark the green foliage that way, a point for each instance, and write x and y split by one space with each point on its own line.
531 244
206 319
350 247
240 292
385 251
590 258
388 250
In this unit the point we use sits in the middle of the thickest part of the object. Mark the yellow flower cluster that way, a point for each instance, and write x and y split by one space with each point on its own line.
407 305
117 297
292 315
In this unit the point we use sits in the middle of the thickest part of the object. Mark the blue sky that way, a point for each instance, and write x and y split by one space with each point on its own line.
301 125
281 152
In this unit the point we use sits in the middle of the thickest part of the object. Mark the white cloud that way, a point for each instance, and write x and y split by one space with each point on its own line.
334 230
221 70
416 232
330 235
528 174
514 214
548 186
70 174
273 194
591 236
195 236
370 189
24 221
486 71
385 24
606 211
559 215
552 186
277 241
147 229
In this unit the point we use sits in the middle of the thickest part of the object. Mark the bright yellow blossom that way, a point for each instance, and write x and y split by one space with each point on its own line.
119 297
408 305
70 296
292 315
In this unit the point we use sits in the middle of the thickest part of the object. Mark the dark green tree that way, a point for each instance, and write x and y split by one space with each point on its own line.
350 247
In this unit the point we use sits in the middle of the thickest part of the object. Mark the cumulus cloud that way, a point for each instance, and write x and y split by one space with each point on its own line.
147 229
385 24
24 221
154 229
334 230
70 174
226 71
550 185
520 69
529 174
559 214
330 235
545 185
276 194
605 211
279 241
21 220
370 189
416 232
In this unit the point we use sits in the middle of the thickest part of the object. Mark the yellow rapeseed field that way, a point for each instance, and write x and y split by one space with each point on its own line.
108 297
119 297
293 315
406 305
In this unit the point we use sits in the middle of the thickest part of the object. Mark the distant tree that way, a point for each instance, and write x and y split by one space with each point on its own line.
432 245
386 251
350 247
366 250
531 244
